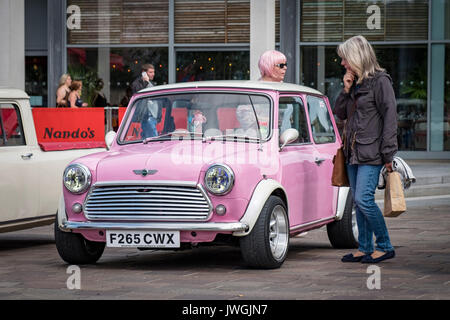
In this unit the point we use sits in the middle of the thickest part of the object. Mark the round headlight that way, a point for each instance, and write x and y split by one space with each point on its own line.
77 178
219 179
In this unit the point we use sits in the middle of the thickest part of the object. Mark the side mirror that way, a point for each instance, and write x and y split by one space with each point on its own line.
288 136
109 139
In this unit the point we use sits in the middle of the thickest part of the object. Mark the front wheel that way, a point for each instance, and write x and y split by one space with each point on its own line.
343 234
267 244
75 249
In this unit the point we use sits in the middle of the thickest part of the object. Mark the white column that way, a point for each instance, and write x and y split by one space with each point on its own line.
262 32
12 43
104 70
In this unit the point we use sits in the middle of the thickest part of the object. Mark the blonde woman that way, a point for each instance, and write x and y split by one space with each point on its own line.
75 100
367 103
62 93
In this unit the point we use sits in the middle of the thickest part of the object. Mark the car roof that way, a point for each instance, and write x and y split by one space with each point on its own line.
11 93
233 84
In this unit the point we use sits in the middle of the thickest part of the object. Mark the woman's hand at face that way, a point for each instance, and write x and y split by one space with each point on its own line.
389 167
349 77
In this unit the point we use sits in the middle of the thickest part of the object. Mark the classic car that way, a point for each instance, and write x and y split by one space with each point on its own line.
242 162
30 174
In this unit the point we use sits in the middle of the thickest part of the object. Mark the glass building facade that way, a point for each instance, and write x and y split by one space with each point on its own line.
189 40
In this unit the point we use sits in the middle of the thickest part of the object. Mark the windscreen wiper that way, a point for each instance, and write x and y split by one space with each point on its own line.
239 136
181 133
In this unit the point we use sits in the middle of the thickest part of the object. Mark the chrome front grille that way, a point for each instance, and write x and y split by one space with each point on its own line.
147 201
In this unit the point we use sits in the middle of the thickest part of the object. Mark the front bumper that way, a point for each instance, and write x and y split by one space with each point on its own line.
68 226
158 226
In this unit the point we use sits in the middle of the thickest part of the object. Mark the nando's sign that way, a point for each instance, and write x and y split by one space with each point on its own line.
50 133
69 125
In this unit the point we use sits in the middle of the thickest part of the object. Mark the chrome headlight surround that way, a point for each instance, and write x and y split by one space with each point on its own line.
77 178
219 179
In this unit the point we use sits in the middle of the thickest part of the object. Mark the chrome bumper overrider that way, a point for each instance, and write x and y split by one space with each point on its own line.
211 226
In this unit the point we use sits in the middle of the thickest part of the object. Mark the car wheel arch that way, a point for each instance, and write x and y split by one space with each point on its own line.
263 190
282 195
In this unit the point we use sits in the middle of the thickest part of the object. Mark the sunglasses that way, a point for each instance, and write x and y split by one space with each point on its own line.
281 65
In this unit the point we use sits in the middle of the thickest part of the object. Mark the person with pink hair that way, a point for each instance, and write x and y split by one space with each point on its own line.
272 65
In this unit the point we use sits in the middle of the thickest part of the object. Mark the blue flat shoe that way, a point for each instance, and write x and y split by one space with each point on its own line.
368 258
351 258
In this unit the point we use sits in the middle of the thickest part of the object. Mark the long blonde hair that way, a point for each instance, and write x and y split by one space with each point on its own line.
63 79
360 56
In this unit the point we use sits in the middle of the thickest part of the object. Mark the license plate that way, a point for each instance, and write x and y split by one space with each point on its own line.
142 239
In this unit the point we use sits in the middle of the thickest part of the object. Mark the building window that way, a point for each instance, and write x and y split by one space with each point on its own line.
440 22
212 65
407 65
118 22
117 67
214 21
447 100
377 21
36 80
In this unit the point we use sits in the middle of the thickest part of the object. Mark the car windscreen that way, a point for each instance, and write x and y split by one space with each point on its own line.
197 115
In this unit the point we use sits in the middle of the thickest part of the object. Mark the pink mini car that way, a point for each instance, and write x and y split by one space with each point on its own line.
243 162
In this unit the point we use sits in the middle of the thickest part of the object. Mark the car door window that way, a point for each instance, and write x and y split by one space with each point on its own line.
321 125
11 130
291 114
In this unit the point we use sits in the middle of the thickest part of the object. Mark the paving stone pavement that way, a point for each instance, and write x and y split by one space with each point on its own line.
30 268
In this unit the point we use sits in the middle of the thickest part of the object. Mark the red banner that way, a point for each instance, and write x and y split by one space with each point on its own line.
121 114
81 128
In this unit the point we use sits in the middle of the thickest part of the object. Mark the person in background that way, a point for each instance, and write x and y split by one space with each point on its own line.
126 99
144 80
272 66
100 99
62 93
75 100
152 112
367 103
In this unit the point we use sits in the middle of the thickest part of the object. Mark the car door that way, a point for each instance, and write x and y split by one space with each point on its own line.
298 173
325 145
19 185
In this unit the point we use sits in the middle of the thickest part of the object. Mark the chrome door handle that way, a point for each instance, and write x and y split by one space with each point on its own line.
319 161
27 156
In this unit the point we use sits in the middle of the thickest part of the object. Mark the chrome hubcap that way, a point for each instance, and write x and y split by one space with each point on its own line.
278 232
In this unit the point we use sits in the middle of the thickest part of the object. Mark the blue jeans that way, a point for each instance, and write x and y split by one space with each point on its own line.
363 181
149 128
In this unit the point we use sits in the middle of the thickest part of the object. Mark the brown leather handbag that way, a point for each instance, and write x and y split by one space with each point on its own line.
339 178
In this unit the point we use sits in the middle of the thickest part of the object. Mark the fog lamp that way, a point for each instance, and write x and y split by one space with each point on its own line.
77 208
221 210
